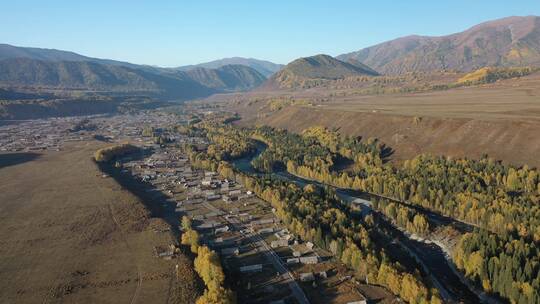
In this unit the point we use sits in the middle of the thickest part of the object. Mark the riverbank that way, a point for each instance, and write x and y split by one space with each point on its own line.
430 257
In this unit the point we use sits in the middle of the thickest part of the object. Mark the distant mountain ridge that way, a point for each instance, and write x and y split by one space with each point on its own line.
11 52
317 67
266 68
87 75
512 41
233 77
50 68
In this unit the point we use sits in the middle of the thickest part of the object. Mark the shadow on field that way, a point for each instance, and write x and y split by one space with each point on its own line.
13 159
153 199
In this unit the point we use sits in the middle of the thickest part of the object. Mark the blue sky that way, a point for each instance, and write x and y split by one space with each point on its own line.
174 33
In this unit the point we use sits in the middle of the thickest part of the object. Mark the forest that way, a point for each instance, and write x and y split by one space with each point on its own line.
315 214
403 216
498 199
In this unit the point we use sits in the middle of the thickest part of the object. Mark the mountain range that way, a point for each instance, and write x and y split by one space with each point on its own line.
88 75
512 41
56 69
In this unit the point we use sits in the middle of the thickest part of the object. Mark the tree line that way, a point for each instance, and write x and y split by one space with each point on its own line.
208 267
109 153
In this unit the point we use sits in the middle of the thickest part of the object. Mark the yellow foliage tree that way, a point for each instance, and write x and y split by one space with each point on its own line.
191 238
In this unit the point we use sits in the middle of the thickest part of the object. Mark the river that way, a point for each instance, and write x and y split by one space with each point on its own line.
430 256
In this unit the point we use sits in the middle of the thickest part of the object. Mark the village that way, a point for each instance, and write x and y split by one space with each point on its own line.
52 134
263 261
267 263
39 135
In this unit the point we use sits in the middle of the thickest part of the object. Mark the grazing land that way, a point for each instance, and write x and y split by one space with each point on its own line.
500 119
403 172
70 235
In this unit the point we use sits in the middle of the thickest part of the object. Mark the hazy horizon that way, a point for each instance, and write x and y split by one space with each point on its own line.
174 34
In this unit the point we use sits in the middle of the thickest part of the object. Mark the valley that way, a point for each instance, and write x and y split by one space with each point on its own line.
376 166
416 216
431 257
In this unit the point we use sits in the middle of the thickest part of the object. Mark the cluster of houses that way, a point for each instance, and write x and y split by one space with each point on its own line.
228 218
130 127
50 134
39 135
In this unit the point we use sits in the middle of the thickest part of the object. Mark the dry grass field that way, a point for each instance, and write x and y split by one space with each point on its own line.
501 119
69 235
508 100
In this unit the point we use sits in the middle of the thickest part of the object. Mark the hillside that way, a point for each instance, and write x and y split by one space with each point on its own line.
228 78
489 74
498 118
10 52
266 68
84 75
512 41
316 67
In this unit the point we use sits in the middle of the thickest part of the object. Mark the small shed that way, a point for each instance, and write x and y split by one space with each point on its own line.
221 229
293 261
266 230
309 260
279 243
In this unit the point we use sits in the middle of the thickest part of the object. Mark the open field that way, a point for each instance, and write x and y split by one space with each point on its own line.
70 235
509 100
500 119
